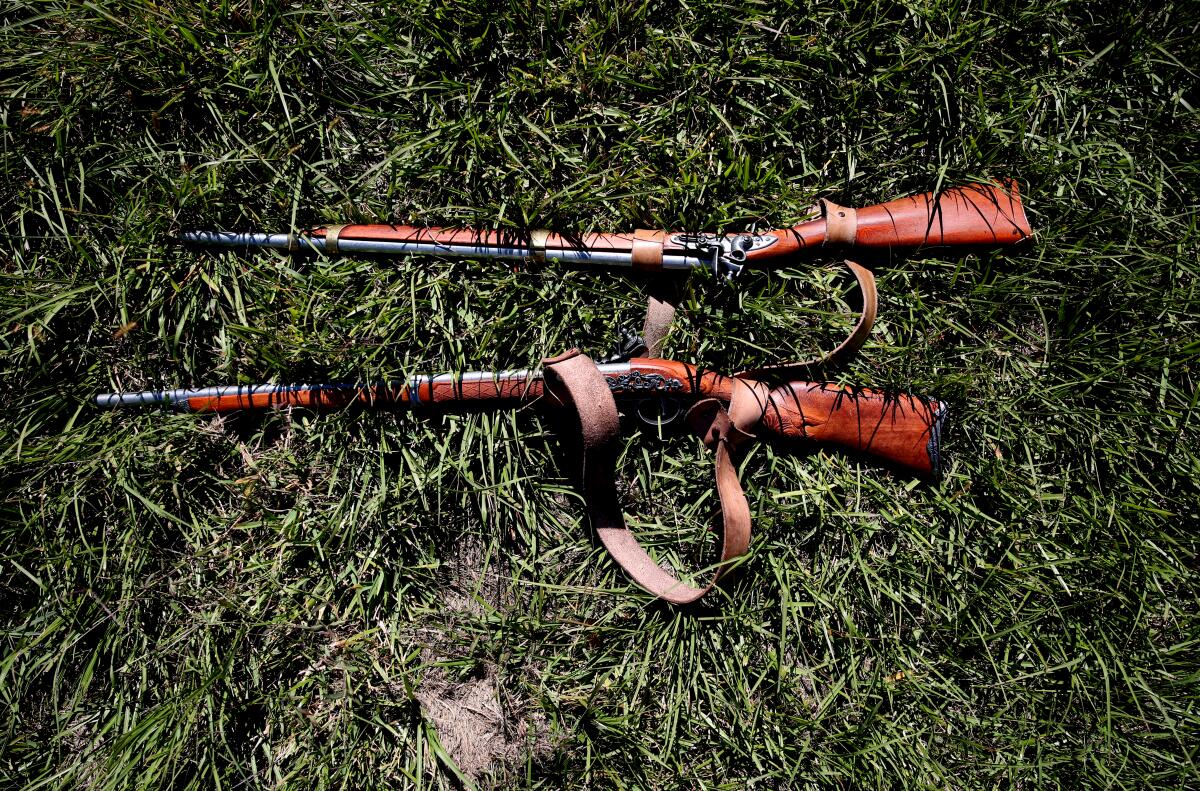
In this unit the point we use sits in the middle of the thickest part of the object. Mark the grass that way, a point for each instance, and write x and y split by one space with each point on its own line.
385 600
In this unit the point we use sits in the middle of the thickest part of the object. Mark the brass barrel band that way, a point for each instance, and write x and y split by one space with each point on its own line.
537 244
331 239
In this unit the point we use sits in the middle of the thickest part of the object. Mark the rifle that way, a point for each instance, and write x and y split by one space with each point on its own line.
971 216
977 215
900 430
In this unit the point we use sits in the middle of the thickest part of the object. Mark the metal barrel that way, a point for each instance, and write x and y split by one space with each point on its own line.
180 396
303 242
280 241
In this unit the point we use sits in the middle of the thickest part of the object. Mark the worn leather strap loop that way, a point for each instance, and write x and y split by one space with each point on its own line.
660 313
647 251
844 350
332 233
713 421
584 389
663 294
841 228
841 223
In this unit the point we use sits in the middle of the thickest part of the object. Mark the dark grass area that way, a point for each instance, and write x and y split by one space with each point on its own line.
361 600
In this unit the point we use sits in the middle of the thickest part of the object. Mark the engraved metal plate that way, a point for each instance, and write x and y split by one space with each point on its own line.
638 382
756 241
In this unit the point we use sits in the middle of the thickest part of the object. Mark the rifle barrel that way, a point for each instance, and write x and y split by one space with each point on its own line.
417 391
279 241
583 256
181 396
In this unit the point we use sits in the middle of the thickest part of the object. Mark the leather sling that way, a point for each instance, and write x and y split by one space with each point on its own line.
663 298
841 228
722 429
844 350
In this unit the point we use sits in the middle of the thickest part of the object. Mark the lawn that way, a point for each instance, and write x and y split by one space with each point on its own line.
385 599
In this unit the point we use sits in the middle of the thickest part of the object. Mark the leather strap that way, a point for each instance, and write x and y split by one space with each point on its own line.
841 228
663 292
841 223
647 250
844 350
585 391
660 313
332 233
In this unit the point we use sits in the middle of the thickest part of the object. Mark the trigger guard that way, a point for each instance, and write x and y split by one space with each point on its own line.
661 418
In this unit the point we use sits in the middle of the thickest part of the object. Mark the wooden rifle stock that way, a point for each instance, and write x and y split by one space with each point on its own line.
902 430
978 215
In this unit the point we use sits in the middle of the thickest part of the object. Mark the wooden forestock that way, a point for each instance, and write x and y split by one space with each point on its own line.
900 429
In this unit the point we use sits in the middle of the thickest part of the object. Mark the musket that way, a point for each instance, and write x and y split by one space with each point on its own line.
970 216
900 430
974 216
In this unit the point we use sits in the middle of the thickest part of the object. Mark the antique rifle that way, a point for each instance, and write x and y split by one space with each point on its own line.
971 216
897 429
900 430
976 215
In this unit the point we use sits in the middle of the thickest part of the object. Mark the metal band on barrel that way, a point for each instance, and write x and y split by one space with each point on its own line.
537 245
331 239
